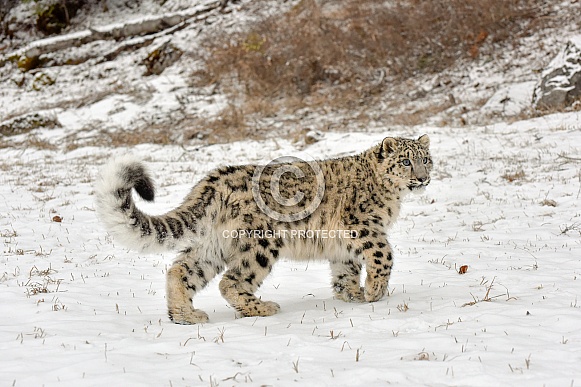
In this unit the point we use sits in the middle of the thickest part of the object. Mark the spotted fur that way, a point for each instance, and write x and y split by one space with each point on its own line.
362 194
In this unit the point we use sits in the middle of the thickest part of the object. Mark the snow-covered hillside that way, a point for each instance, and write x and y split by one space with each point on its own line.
90 93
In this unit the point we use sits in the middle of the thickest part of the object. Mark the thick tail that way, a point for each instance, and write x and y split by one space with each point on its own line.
129 225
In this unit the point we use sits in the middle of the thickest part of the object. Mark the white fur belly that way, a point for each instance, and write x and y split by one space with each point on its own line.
315 248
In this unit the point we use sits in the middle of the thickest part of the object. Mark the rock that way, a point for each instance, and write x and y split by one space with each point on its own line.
509 100
161 58
312 136
26 123
560 83
307 136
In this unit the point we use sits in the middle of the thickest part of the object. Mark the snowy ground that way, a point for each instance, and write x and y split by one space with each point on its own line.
78 309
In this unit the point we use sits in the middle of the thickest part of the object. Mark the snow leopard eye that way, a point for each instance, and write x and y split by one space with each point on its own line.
406 162
425 160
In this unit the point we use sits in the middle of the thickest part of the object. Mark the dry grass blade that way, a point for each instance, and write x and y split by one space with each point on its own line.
487 296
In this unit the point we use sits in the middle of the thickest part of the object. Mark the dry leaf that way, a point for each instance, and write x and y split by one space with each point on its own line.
463 269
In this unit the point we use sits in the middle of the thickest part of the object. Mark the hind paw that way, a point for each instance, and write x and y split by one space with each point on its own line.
350 296
188 317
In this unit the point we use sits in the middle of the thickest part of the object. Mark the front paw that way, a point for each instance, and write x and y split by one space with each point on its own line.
258 308
375 289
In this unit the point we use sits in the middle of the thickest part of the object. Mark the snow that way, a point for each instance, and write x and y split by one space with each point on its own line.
79 309
510 100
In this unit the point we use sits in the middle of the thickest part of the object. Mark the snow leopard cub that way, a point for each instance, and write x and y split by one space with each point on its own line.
360 194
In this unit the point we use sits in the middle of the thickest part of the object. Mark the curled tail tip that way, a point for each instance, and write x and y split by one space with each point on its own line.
145 188
126 172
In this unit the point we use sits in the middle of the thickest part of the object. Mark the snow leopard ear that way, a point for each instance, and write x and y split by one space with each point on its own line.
424 141
388 146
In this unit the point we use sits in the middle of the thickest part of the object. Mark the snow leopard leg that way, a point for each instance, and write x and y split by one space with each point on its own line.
378 262
189 274
245 274
345 279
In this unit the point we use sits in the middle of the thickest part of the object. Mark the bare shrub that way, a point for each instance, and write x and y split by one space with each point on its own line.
516 176
342 44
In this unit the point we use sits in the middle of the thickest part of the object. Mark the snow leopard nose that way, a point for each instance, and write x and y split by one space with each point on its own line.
422 179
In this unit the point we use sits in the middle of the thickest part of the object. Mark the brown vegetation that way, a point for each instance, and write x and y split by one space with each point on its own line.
348 48
350 61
